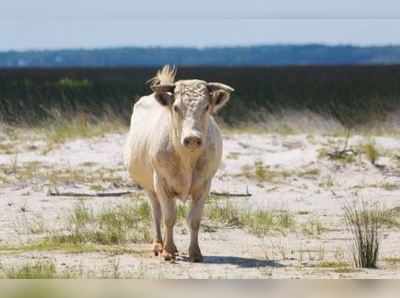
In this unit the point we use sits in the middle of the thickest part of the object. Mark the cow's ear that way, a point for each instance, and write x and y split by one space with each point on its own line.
219 95
164 94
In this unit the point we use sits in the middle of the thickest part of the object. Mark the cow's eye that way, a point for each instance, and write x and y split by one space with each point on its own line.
176 109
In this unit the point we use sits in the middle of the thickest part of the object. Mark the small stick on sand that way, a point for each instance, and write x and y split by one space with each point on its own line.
229 194
81 194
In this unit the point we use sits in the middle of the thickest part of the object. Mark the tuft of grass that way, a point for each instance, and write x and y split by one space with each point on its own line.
223 211
258 222
262 173
35 270
261 222
113 226
313 227
392 260
389 186
371 152
390 218
333 264
310 173
327 182
365 223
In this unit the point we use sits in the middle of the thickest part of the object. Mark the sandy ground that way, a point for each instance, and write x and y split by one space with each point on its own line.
310 186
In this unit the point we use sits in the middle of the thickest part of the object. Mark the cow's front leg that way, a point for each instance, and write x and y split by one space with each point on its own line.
156 211
194 219
168 207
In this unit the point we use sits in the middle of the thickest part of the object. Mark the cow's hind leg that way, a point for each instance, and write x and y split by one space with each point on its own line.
156 211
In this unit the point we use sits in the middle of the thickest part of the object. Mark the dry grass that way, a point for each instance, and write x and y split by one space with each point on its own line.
313 227
33 270
109 231
259 222
117 225
35 172
365 224
61 129
371 152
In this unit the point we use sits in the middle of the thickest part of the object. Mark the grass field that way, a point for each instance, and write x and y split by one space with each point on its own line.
351 95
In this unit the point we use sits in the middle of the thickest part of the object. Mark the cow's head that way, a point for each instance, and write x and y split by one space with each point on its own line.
190 103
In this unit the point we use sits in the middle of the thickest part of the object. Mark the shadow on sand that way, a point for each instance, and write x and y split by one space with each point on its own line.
239 261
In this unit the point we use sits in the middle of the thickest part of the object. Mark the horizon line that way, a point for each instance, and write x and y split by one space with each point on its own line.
288 44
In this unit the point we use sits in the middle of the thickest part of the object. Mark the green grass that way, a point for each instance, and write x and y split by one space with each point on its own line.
337 266
333 264
109 230
257 222
392 260
62 129
371 152
313 227
39 173
262 173
34 270
117 225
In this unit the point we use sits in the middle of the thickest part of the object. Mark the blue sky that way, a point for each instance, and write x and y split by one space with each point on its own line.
52 24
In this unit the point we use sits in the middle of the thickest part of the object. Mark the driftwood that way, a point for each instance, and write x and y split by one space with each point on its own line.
81 194
124 193
340 154
229 194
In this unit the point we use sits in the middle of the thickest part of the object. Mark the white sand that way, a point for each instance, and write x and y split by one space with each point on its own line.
229 252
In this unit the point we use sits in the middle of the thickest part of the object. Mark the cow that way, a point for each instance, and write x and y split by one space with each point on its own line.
174 149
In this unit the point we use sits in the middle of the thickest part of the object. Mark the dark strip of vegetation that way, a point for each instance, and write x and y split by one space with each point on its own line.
352 95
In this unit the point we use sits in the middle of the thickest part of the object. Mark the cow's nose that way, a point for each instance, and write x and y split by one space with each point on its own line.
192 142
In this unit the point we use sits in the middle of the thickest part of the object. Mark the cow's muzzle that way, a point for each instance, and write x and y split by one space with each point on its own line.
192 142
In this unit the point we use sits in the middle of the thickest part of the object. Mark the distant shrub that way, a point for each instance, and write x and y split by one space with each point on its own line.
71 83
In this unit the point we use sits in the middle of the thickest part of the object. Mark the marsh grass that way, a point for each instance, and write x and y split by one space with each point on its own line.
39 173
109 230
392 260
371 152
262 173
33 270
333 264
365 224
257 222
313 227
62 128
117 225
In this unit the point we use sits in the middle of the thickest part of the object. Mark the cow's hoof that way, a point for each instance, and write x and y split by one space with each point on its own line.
175 250
195 255
157 247
168 256
196 258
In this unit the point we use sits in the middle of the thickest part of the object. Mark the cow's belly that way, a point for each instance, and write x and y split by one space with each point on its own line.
142 175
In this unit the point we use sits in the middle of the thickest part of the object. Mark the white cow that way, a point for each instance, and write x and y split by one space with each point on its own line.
174 149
